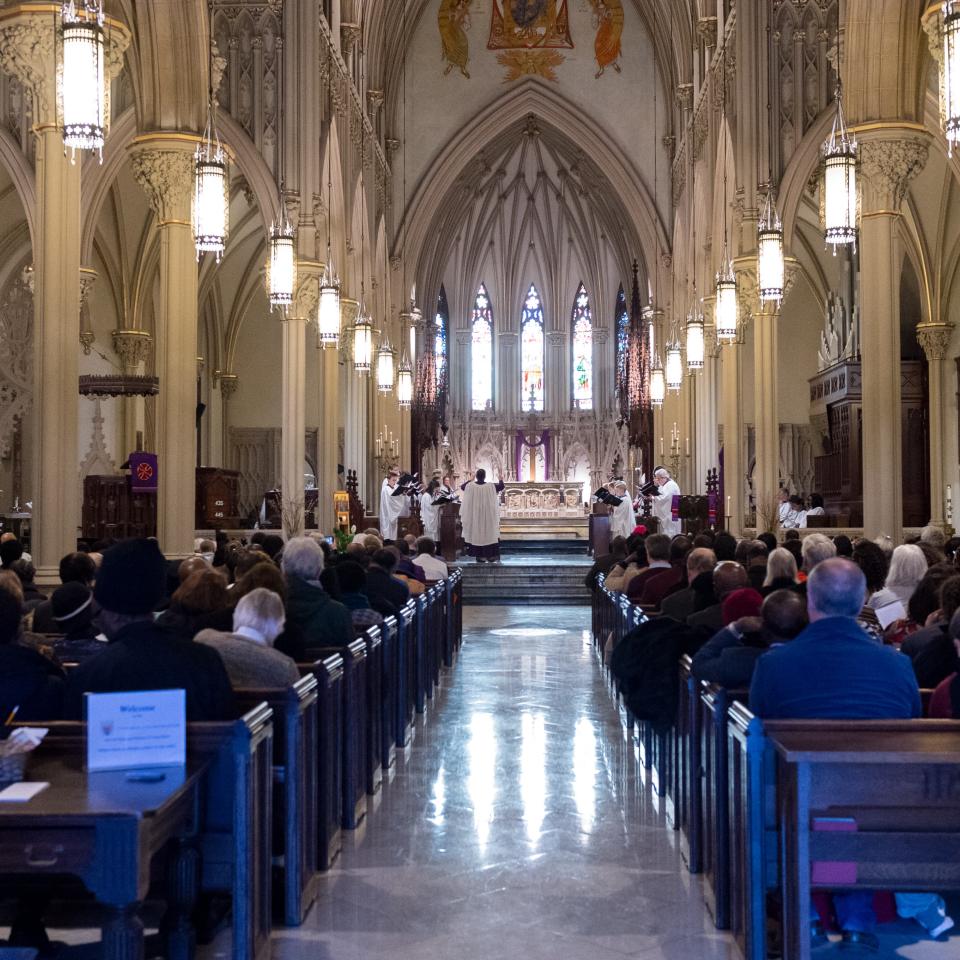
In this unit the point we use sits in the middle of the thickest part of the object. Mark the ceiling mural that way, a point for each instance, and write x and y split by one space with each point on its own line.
529 35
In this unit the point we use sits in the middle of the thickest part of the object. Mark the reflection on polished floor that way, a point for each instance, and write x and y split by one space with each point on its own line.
516 826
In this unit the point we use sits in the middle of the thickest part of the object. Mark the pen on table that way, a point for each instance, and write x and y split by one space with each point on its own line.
13 713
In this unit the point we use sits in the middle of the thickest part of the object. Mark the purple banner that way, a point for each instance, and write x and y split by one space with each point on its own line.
143 472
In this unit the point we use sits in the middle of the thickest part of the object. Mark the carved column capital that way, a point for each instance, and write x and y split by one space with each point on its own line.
165 172
556 338
350 36
229 383
27 53
601 335
132 347
888 167
707 30
684 95
88 277
935 339
374 102
392 146
306 298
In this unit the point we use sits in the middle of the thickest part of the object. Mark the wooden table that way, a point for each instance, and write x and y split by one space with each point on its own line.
879 805
105 829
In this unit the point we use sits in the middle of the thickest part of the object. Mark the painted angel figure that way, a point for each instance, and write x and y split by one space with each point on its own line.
608 22
453 21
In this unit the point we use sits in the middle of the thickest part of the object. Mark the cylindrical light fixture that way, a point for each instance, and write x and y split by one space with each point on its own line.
770 271
405 384
725 309
210 198
673 373
385 366
328 311
840 182
950 72
696 347
283 265
362 342
658 384
83 87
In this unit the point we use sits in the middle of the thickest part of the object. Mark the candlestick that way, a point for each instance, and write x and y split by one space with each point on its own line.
661 446
949 517
687 446
728 506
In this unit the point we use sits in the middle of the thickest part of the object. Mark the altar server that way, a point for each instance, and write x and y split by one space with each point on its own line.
430 511
391 507
622 518
480 517
663 502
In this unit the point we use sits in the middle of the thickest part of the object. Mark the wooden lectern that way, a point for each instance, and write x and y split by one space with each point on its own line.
599 530
450 531
218 497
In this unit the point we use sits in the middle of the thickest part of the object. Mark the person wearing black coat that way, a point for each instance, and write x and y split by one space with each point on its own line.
730 655
142 655
29 682
382 585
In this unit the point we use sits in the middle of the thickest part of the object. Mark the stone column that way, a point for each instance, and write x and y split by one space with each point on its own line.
557 379
27 52
163 165
132 347
293 402
602 364
888 166
506 374
329 360
227 384
88 277
732 415
935 340
460 381
766 474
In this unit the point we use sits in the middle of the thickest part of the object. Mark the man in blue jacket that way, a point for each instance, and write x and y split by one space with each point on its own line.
834 671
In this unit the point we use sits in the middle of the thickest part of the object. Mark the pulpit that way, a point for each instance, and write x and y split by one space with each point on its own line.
449 531
111 511
218 497
599 530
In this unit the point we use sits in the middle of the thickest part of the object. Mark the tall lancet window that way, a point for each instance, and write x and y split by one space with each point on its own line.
581 323
440 325
531 352
623 339
481 352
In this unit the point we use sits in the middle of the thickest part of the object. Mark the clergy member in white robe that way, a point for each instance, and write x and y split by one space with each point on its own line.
663 502
622 518
429 512
480 517
391 507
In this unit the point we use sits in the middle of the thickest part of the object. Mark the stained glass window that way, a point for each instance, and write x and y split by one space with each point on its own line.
581 323
440 326
531 352
622 317
481 352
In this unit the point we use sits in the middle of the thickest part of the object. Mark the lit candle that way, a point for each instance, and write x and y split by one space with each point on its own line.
728 506
661 445
687 446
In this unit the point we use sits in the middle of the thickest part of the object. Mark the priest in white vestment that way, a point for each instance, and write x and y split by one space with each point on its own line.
480 517
391 507
622 518
663 502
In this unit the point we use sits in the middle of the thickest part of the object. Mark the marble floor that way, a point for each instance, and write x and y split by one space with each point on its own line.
517 824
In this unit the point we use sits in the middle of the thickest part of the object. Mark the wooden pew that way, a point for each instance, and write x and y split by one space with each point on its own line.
373 724
897 778
389 691
230 829
424 683
406 659
688 818
353 724
328 673
295 794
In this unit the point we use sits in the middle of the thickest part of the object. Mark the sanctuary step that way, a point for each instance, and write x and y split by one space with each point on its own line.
549 546
514 529
524 579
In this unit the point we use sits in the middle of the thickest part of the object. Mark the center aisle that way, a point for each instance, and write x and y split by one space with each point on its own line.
517 824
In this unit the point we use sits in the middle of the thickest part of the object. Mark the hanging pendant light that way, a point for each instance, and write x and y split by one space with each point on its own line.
725 309
770 271
385 366
211 204
696 348
658 383
362 342
283 265
673 374
840 182
950 70
83 87
405 384
328 312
